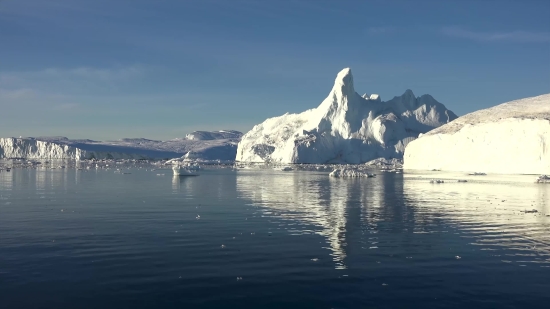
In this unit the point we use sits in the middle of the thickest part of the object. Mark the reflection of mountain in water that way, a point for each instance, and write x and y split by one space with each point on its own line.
491 212
385 213
310 199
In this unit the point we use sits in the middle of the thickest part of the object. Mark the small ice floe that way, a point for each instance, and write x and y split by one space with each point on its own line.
223 246
239 278
315 259
462 180
543 179
384 284
457 257
198 217
532 211
350 172
477 174
436 181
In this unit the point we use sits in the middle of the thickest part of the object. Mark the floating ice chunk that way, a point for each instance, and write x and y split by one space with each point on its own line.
543 179
350 172
436 181
286 169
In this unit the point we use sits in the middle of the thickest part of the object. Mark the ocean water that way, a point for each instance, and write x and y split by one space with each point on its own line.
270 239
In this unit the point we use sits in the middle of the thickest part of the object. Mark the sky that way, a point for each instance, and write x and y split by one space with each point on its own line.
104 69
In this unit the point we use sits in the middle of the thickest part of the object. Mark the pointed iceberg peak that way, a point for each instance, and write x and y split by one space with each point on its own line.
408 93
344 82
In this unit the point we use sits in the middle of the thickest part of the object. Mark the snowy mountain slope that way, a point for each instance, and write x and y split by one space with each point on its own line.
344 128
220 145
510 138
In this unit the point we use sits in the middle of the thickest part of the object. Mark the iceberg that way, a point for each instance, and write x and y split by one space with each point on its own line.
510 138
30 148
350 172
344 128
199 145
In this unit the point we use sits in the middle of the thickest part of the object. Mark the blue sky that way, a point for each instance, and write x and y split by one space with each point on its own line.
106 69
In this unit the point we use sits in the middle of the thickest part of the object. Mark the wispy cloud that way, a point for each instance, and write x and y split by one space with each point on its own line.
87 73
27 85
511 36
17 94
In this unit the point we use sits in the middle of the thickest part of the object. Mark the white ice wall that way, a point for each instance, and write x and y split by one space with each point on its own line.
511 138
35 149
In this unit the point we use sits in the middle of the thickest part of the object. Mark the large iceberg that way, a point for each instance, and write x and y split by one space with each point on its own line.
510 138
30 148
205 146
345 128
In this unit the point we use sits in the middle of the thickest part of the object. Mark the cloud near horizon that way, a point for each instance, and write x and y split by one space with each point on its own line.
511 36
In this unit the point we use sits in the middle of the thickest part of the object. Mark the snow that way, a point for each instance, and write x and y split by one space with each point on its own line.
205 146
510 138
344 128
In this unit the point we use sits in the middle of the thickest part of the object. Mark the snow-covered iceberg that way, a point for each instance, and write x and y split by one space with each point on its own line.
203 145
510 138
30 148
344 128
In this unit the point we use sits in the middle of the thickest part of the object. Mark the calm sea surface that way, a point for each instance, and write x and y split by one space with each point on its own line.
270 239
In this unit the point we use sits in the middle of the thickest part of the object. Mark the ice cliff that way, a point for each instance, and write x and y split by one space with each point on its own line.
344 128
510 138
206 146
30 148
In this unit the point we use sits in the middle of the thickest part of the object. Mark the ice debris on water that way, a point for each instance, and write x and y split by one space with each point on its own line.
350 172
543 179
477 174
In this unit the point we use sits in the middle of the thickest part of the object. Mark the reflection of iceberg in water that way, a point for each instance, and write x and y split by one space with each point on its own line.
493 213
181 184
306 198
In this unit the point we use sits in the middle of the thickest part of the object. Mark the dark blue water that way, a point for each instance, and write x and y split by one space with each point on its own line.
96 239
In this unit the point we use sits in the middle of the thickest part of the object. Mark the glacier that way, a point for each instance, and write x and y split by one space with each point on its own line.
344 128
510 138
205 146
